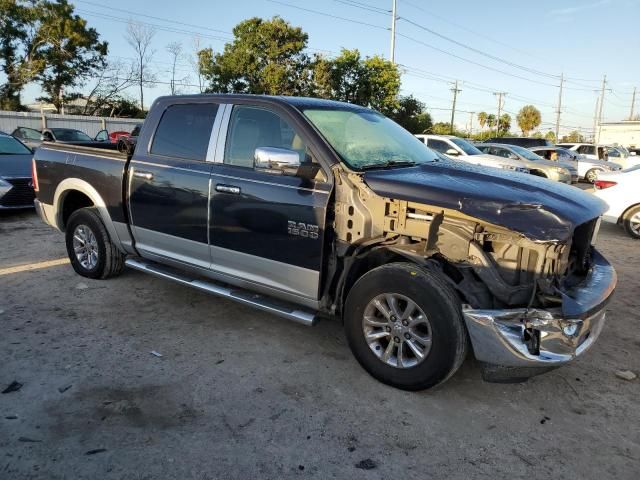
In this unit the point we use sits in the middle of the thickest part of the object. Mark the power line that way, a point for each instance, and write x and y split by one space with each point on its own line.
337 17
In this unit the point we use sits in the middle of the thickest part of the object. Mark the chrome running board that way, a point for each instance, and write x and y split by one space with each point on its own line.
261 302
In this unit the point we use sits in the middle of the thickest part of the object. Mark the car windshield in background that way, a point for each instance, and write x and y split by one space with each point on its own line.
11 146
366 139
67 135
466 147
528 154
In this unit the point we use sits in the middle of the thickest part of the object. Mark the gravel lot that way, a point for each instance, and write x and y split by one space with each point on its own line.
242 394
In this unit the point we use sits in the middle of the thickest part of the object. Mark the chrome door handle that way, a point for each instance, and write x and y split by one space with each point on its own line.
228 189
141 174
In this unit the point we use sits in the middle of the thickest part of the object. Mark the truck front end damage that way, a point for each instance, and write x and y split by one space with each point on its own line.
532 287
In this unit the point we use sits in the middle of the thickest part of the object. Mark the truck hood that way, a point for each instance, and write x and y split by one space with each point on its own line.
540 209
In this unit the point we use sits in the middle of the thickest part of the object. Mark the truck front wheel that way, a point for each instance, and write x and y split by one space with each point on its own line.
404 325
89 247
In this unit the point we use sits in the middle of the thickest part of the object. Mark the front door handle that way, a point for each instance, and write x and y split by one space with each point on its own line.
228 189
141 174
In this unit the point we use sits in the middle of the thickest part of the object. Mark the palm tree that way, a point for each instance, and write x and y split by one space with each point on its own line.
528 118
482 119
491 120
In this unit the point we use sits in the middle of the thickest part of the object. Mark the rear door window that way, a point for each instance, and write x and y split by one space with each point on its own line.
184 131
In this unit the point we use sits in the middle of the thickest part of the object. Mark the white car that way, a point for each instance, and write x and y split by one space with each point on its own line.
619 155
621 193
588 168
457 148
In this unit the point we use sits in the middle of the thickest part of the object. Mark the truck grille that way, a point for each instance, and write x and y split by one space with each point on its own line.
21 195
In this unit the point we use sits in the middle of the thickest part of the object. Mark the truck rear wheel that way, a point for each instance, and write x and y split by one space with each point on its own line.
89 247
404 325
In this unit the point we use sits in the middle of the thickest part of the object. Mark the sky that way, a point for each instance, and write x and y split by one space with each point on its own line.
520 48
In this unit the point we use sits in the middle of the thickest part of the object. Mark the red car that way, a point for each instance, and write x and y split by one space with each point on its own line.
114 137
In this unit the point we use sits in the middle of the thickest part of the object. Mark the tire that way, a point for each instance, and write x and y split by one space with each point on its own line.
631 222
98 257
445 326
591 176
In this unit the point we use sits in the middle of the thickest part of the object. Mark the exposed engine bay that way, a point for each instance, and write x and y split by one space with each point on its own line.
489 265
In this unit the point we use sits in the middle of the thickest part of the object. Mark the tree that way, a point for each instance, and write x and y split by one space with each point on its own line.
110 82
528 118
573 136
265 57
140 37
175 54
18 25
491 121
70 51
504 124
194 60
551 136
482 119
371 82
411 115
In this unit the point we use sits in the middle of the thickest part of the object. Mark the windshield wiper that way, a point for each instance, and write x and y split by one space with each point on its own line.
389 164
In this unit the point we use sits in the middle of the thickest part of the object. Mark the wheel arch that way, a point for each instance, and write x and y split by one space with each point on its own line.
82 194
627 210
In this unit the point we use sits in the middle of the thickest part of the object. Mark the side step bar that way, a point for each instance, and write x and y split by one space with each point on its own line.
245 297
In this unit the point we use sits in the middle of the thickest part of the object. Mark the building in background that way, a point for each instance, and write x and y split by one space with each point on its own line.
625 133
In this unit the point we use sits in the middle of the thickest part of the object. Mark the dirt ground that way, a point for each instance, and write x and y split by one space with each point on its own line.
241 394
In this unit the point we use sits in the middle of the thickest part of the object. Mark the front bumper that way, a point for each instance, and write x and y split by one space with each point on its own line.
544 338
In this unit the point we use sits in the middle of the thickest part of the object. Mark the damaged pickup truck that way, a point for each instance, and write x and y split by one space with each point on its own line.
309 208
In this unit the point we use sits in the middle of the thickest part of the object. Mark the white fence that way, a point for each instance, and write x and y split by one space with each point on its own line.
9 121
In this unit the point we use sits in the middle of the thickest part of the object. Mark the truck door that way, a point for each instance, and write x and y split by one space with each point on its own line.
267 227
169 184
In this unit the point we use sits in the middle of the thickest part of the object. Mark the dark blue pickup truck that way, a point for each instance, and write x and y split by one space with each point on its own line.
309 208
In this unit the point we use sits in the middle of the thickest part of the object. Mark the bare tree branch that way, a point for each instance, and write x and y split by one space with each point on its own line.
140 36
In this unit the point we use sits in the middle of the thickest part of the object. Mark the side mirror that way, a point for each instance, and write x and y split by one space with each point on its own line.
453 152
43 138
272 158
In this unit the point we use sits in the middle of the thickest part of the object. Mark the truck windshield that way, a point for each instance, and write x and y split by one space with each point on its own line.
366 139
466 147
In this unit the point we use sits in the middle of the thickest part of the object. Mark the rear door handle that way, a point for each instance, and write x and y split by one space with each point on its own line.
228 189
141 174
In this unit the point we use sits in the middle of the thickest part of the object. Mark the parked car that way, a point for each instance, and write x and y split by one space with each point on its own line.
29 136
525 142
115 137
621 193
311 208
459 149
587 168
16 188
128 143
604 152
537 165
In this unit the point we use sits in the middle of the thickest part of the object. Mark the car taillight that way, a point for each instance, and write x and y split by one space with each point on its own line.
34 175
602 184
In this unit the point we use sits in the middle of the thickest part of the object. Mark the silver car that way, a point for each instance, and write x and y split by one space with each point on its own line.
536 164
588 168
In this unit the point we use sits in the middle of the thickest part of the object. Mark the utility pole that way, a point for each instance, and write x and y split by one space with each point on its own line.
455 91
604 82
471 114
633 102
595 118
500 96
559 108
394 17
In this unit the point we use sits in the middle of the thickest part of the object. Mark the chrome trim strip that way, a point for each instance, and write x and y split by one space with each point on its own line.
240 296
263 271
209 216
213 138
222 134
213 173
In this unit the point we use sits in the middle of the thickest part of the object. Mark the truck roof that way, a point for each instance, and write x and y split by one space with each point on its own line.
297 102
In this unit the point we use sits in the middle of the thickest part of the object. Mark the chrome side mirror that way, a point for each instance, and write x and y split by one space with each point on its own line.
453 152
272 158
43 138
